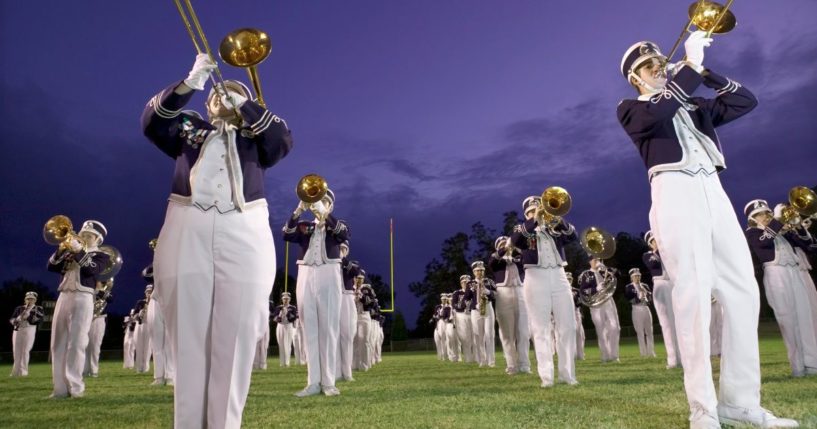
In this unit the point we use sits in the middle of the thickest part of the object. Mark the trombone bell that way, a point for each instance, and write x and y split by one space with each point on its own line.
246 48
58 230
706 17
311 188
556 201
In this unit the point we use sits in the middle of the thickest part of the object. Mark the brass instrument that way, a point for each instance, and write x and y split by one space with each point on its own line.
789 215
804 200
153 243
244 48
604 291
482 298
59 231
311 188
101 301
707 16
642 293
114 263
598 243
556 203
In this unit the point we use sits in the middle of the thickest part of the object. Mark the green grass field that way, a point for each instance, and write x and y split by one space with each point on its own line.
414 390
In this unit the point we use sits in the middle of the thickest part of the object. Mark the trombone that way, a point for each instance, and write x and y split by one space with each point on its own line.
707 16
556 203
245 48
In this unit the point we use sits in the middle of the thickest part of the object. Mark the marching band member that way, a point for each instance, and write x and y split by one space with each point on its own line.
547 292
348 315
449 337
439 328
579 318
97 331
374 324
284 315
215 260
662 297
78 264
25 320
772 243
702 249
462 318
318 290
511 314
164 367
639 295
482 315
604 314
364 298
381 320
802 231
128 349
143 348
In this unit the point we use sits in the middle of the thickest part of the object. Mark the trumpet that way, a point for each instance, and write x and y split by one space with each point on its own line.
706 16
59 231
556 203
311 188
598 243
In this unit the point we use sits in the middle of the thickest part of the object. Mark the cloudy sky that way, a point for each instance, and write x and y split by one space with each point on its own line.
435 113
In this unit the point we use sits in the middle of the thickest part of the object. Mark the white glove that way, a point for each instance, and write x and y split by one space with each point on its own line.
200 72
232 97
319 209
695 44
778 211
74 245
302 207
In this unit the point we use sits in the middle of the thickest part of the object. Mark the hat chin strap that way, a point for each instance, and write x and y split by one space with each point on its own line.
652 90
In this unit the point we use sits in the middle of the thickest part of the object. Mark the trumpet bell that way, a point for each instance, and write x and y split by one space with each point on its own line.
706 16
57 229
245 47
598 243
556 201
311 188
804 200
114 263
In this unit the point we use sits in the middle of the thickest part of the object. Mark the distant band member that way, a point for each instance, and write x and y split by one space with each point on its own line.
662 297
439 328
164 367
579 318
450 341
364 300
143 350
772 243
79 263
482 315
25 320
128 346
547 292
348 315
215 258
97 332
319 289
284 316
639 295
511 313
702 248
604 314
462 318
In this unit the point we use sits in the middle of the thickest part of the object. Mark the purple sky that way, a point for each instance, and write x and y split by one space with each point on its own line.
438 114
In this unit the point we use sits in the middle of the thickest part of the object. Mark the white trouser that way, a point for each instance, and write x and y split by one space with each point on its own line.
439 339
704 251
514 332
608 329
662 297
214 274
452 342
371 341
163 367
465 335
380 338
127 350
283 335
715 329
642 322
298 344
478 336
143 347
69 339
579 334
489 335
787 296
346 337
95 335
262 350
811 293
548 292
361 353
318 293
22 341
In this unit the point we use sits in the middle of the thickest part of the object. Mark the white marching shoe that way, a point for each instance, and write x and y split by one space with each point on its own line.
701 419
310 390
759 417
331 391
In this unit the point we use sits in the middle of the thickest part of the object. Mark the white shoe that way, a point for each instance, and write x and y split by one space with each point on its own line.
79 394
759 417
57 396
309 391
545 385
510 371
349 378
702 419
331 391
525 370
158 382
169 382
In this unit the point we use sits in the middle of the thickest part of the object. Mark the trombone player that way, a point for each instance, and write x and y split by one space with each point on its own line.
215 257
701 243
